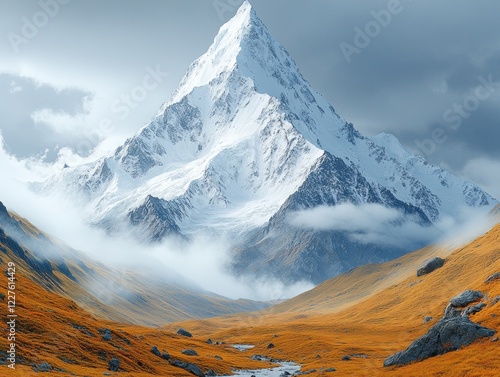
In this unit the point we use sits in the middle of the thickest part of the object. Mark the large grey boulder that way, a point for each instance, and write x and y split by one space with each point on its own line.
430 265
465 298
449 334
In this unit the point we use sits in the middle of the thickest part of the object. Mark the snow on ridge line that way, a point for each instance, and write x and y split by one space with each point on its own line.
246 128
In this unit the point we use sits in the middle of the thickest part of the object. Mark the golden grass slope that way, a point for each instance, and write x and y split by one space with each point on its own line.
367 314
375 311
53 329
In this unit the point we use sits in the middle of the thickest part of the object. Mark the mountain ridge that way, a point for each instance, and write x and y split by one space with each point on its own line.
244 134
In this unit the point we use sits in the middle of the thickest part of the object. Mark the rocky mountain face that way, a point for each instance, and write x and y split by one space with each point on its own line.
244 143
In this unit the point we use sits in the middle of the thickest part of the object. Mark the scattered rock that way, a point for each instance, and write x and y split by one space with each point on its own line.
2 296
427 319
209 341
184 333
102 355
495 339
210 373
330 370
430 265
43 367
106 374
260 358
415 283
474 309
449 334
346 358
465 298
190 353
156 351
218 357
106 334
270 345
495 300
83 330
68 361
305 372
165 356
191 368
114 364
493 278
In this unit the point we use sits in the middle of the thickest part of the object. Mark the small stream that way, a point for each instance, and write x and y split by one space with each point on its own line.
272 372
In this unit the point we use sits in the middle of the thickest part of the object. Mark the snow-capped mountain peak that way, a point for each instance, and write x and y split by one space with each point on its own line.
243 143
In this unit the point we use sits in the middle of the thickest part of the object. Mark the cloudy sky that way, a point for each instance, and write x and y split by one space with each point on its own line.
76 74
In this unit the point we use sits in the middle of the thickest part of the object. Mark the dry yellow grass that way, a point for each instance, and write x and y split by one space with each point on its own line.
373 311
46 333
380 311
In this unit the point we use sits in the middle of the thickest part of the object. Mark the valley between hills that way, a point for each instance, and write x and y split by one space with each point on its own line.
246 150
345 326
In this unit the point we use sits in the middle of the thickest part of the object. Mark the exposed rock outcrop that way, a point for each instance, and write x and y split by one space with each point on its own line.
452 332
449 334
465 298
190 352
493 278
156 351
191 368
184 333
430 265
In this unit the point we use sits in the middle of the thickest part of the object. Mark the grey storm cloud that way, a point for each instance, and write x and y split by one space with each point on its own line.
22 99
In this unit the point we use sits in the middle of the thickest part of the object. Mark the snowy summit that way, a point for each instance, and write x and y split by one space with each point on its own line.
243 144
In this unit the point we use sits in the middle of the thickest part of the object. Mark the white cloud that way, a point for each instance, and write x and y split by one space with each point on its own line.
367 223
64 123
346 216
205 261
485 172
202 262
15 87
375 223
